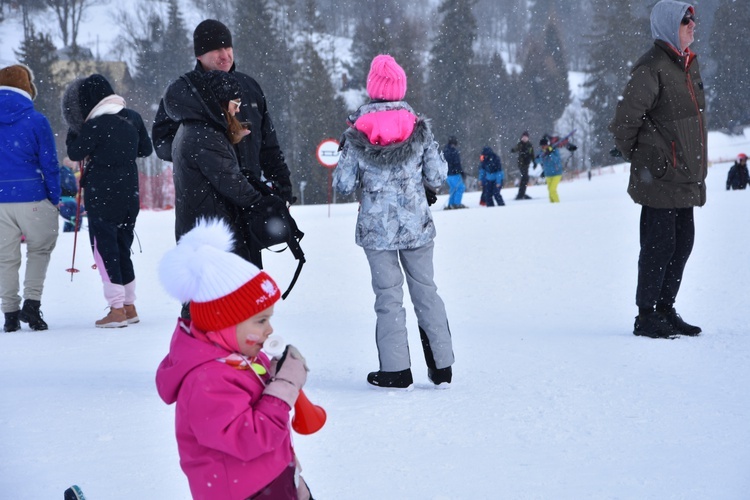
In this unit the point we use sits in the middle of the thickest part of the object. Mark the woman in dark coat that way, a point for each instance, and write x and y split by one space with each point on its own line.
207 177
660 128
108 137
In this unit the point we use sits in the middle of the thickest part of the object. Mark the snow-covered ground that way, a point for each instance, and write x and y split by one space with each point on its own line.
553 396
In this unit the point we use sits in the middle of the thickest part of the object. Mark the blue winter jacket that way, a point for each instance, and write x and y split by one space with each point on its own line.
551 161
490 161
28 157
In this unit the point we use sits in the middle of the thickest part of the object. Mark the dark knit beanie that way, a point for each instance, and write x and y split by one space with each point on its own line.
525 133
210 35
93 89
224 85
18 76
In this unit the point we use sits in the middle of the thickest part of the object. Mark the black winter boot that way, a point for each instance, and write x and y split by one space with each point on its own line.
655 325
678 323
441 377
11 322
31 314
392 380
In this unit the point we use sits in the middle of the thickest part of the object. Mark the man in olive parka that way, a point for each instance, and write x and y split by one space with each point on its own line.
659 126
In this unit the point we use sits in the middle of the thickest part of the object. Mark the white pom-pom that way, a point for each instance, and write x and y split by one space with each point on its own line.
181 269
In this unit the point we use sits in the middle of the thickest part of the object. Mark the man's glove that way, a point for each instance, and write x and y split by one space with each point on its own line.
285 192
615 153
289 374
431 196
572 147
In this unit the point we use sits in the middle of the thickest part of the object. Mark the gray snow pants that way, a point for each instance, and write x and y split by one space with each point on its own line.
390 330
38 222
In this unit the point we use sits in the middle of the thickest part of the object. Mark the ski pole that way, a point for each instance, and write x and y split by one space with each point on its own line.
72 270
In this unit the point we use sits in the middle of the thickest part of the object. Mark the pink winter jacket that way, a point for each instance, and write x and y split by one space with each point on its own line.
232 439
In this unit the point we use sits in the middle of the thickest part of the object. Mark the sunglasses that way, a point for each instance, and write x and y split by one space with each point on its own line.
236 102
686 20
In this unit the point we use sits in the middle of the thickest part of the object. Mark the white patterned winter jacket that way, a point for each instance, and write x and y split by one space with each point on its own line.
394 214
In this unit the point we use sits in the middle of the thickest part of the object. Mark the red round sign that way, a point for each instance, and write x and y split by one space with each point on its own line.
327 153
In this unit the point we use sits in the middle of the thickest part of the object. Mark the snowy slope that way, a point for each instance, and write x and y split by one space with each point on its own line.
553 395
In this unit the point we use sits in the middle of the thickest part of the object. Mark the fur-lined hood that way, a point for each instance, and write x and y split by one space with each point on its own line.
399 153
71 106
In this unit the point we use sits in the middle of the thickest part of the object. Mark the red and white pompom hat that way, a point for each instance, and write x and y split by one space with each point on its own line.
223 288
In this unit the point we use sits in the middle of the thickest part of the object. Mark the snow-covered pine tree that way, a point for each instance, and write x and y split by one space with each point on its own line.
450 69
730 46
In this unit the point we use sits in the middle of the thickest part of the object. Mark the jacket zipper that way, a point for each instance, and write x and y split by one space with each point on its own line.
674 155
697 108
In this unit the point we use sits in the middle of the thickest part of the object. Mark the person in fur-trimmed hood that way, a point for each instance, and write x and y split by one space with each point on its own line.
108 137
660 128
390 153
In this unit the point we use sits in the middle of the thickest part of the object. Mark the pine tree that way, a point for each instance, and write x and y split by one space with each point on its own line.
730 44
319 114
262 54
409 39
614 49
372 36
450 69
38 52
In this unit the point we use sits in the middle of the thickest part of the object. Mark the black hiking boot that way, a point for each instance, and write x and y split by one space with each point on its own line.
655 326
31 314
441 377
679 324
392 380
12 323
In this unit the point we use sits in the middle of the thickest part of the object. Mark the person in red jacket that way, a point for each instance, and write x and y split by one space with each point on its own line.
233 404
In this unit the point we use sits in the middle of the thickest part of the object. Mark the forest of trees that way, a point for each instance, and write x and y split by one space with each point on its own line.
482 70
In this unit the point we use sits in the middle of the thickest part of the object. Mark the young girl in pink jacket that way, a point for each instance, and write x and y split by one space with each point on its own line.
232 403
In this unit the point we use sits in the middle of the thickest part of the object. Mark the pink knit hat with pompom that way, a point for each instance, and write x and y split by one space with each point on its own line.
387 80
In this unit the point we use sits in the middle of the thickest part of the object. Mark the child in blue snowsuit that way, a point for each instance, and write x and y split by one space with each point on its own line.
67 205
491 177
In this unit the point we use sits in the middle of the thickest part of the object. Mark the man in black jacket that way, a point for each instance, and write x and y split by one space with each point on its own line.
259 153
525 151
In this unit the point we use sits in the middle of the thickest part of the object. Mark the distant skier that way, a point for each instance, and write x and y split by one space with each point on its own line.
737 178
491 177
455 178
525 151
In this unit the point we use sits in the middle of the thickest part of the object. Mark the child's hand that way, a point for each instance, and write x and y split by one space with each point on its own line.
289 376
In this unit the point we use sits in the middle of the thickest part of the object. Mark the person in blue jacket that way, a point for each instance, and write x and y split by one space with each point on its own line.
455 177
552 166
29 194
491 177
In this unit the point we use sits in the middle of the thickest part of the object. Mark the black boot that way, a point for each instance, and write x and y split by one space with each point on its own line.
11 322
31 314
678 323
655 325
441 377
391 380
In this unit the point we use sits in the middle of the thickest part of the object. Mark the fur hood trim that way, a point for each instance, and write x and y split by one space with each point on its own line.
386 156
